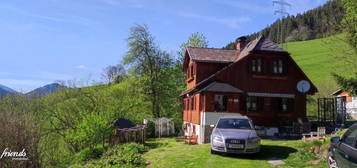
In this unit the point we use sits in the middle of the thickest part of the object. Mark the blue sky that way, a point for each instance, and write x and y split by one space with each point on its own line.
47 40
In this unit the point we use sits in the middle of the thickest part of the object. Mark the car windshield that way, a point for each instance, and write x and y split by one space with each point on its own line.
231 123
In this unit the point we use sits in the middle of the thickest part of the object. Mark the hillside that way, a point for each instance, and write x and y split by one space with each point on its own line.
4 90
320 57
317 23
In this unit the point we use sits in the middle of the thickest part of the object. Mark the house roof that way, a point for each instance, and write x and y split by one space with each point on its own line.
335 93
220 87
214 87
266 44
341 92
212 54
229 56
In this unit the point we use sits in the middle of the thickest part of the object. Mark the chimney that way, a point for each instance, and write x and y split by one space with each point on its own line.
241 43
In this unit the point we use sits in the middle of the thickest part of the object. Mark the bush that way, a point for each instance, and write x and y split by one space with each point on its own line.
127 155
119 156
88 154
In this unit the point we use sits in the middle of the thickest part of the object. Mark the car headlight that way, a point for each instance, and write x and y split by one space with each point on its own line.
217 139
255 140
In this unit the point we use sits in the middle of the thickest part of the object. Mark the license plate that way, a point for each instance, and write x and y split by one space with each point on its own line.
238 146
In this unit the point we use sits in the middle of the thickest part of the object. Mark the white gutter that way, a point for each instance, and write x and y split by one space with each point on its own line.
283 95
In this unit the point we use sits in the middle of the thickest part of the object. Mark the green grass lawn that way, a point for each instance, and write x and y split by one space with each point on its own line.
166 152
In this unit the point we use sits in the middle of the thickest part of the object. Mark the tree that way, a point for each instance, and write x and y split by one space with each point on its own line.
149 63
350 25
20 130
349 84
350 21
113 73
195 40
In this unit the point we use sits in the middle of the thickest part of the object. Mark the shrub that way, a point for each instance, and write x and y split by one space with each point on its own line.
119 156
88 154
127 155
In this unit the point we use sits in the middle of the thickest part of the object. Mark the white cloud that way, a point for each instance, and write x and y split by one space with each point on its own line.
82 67
58 17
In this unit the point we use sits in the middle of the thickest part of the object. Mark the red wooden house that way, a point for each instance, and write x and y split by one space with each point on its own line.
258 79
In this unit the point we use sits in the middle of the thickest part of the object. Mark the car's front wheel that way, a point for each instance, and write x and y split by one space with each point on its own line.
213 152
331 161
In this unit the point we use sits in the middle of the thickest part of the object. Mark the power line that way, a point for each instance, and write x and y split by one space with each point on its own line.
281 11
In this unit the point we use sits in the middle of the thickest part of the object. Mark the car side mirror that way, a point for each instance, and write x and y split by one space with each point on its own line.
335 139
212 126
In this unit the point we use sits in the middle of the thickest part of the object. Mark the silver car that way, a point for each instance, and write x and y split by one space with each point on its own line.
234 134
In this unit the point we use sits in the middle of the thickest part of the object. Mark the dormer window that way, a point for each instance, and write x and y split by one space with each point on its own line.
257 65
190 72
278 67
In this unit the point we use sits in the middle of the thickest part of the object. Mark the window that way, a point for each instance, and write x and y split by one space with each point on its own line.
254 104
192 103
257 65
187 104
220 103
190 71
349 137
231 123
285 104
278 66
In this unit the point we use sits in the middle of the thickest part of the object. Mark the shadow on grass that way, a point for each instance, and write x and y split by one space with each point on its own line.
155 144
267 152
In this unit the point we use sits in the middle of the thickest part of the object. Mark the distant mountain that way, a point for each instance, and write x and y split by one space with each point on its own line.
4 90
45 90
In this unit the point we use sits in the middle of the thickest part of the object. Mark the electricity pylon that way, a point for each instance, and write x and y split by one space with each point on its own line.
282 13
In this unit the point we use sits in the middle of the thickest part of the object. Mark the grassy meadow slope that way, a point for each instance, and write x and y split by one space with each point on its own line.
320 57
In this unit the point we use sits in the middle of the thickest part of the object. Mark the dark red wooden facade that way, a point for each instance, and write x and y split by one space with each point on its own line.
270 110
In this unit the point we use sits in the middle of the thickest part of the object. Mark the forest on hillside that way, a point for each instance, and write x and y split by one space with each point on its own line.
320 22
